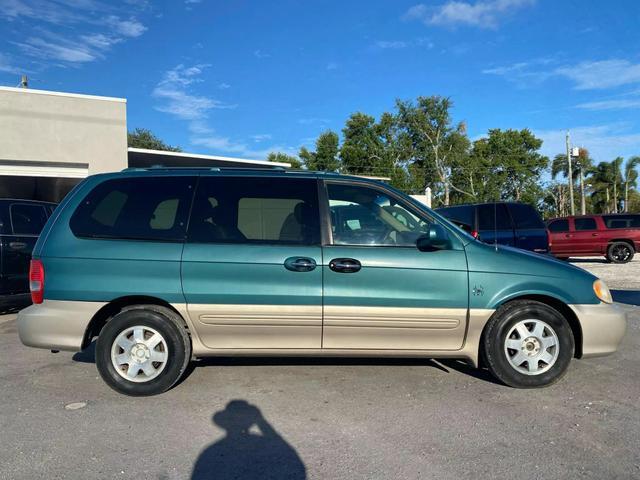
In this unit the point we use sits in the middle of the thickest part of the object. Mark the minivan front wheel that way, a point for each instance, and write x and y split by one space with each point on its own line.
528 344
143 350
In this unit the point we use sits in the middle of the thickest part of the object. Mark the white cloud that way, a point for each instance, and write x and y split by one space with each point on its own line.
128 28
7 66
90 28
618 104
65 51
176 97
604 142
601 74
312 120
482 14
394 44
261 137
224 86
400 44
260 54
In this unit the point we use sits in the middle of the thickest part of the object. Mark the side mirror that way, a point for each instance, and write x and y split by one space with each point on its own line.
436 238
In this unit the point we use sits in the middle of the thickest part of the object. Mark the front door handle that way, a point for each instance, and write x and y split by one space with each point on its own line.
17 245
300 264
345 265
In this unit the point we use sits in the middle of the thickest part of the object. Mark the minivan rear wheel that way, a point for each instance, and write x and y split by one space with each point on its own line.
143 350
528 344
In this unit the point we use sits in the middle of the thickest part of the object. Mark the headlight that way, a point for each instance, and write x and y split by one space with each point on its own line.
602 291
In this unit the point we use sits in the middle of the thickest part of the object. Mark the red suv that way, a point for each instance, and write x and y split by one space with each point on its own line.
617 236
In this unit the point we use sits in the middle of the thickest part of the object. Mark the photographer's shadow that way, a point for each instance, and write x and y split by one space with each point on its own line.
245 454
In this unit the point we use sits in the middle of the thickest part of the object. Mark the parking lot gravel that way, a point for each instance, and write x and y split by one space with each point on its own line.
323 418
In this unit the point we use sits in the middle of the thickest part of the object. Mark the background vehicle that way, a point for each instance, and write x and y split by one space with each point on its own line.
20 224
616 236
506 223
161 265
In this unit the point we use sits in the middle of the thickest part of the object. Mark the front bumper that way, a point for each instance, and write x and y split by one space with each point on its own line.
55 324
603 327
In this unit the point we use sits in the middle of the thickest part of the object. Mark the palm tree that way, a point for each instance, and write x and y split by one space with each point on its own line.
580 170
602 180
617 177
630 178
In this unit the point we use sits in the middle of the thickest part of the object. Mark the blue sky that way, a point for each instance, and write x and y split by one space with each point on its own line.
242 78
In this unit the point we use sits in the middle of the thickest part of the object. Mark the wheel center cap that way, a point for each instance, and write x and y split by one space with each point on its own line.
140 353
531 346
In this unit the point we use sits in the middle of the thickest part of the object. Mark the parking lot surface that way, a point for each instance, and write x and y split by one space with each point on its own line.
323 418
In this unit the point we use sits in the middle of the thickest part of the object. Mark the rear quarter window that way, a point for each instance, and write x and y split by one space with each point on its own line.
621 221
138 208
462 214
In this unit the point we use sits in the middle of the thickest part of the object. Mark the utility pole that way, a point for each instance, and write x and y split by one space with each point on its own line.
573 211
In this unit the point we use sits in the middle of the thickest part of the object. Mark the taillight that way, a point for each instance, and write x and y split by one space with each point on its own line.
36 281
549 238
475 234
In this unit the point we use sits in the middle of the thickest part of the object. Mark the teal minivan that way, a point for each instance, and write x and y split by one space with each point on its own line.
164 265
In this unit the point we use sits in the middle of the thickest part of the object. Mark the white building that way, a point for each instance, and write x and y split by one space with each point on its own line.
49 141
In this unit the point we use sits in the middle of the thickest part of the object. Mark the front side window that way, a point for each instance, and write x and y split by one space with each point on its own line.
365 216
584 224
255 210
559 226
27 219
138 208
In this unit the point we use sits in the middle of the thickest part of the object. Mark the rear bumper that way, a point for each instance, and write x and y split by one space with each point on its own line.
603 327
56 325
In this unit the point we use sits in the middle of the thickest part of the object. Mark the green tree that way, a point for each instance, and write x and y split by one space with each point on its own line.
284 158
510 165
143 138
630 179
436 144
602 182
325 158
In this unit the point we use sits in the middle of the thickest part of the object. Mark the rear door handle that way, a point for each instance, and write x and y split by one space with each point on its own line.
300 264
17 245
594 234
345 265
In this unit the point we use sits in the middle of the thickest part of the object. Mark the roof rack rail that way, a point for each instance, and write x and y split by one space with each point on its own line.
210 169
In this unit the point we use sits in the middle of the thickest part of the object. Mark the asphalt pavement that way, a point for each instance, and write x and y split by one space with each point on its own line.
321 418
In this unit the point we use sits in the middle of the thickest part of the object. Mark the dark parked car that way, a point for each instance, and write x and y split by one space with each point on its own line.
616 236
20 224
507 223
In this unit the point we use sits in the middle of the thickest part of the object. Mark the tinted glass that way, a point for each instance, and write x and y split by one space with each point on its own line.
585 224
366 216
559 226
255 210
144 208
462 215
525 216
621 221
493 216
27 219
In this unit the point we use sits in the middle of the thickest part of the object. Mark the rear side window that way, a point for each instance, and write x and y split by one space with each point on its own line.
143 208
584 224
559 226
621 221
493 216
256 210
525 216
27 219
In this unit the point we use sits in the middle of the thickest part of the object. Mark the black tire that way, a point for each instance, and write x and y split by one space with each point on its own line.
169 325
620 252
495 336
